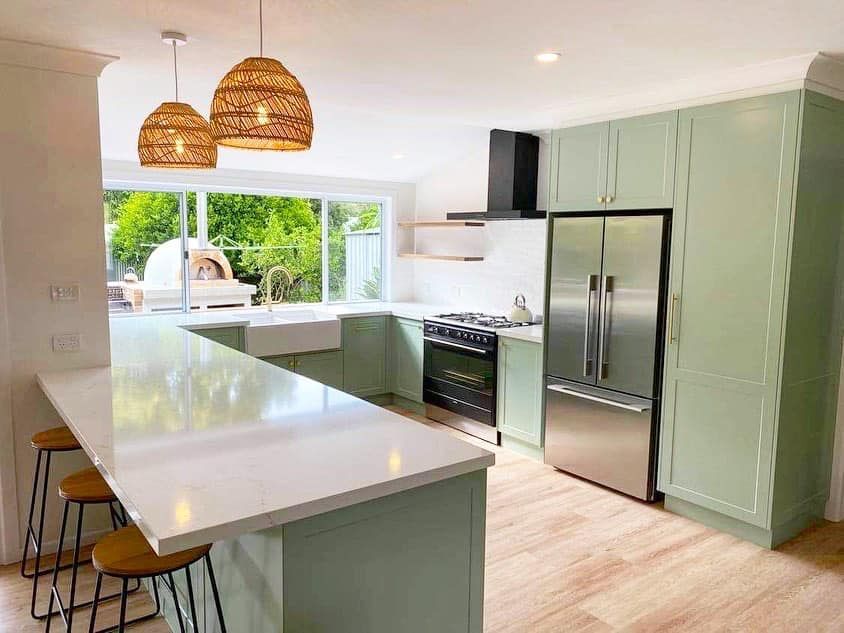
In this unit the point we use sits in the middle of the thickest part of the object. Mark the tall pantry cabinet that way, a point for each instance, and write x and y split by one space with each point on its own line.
753 332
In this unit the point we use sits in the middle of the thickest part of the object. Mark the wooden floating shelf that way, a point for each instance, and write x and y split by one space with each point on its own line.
441 224
448 258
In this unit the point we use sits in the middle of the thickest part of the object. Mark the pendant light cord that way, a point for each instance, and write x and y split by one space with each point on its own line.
261 28
175 71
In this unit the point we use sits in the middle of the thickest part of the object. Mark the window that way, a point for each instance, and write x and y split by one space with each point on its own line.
354 251
330 246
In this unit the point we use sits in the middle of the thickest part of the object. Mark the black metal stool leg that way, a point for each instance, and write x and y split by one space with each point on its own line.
55 570
214 591
176 603
191 600
30 534
124 595
75 570
97 588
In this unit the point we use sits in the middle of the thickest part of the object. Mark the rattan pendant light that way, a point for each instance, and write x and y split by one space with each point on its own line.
175 135
259 104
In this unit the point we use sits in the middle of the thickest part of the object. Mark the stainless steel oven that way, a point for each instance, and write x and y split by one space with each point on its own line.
460 378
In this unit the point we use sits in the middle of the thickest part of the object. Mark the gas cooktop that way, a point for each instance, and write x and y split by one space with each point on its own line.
479 319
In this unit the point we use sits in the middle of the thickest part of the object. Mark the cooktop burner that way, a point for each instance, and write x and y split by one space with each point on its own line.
479 318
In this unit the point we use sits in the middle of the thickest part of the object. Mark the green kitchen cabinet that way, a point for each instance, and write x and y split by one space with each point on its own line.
406 351
324 367
365 355
234 337
753 343
519 406
579 168
640 167
615 166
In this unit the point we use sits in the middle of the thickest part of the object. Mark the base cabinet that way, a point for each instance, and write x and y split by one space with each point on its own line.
234 337
365 355
520 412
406 351
324 367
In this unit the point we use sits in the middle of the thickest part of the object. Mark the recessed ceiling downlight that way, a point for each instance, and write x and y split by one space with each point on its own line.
547 57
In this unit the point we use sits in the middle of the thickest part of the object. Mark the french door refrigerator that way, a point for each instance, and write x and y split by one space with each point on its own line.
605 301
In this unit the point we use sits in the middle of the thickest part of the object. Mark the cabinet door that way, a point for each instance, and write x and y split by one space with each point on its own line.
324 367
365 355
728 269
519 406
285 362
642 152
406 359
233 337
579 168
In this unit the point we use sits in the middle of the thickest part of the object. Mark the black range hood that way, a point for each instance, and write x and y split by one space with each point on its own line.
513 167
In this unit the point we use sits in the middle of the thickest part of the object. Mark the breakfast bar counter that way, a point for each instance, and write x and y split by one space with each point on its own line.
379 518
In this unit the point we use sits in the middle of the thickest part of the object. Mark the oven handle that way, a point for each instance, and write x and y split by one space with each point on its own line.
475 350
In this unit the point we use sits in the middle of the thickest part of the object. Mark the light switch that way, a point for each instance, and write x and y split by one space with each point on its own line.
64 293
66 342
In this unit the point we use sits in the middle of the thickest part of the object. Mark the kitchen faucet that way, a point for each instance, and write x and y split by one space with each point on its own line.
269 295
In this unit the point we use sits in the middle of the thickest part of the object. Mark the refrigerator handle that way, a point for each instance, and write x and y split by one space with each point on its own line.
591 286
586 396
603 363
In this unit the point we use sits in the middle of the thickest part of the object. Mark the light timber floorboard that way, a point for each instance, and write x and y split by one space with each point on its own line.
566 555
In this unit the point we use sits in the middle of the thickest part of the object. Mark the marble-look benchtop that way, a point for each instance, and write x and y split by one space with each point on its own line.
202 443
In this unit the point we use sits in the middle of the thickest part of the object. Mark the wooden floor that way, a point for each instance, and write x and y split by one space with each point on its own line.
566 555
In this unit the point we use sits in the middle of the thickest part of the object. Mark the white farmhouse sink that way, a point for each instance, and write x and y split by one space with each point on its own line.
289 331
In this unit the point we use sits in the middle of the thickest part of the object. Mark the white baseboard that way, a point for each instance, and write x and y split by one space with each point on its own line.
49 547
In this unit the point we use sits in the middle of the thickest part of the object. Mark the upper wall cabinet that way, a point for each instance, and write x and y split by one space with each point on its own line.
619 165
579 168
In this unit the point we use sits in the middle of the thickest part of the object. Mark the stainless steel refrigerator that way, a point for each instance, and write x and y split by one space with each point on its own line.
605 301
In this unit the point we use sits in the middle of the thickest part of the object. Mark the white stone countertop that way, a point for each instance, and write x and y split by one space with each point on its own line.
202 443
532 333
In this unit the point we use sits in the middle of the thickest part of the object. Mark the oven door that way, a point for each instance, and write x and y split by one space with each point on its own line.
460 377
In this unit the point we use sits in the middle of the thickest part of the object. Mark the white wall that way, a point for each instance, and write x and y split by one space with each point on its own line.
51 231
513 250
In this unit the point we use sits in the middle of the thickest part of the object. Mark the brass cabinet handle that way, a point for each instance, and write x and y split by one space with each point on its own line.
291 363
601 199
610 198
674 300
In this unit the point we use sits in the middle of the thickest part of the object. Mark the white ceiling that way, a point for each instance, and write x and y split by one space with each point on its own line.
423 78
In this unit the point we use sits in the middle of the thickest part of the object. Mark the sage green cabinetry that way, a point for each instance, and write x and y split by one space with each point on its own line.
752 351
324 367
406 352
234 337
519 394
617 165
365 355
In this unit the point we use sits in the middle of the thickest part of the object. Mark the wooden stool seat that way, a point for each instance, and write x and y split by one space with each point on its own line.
126 554
86 486
57 439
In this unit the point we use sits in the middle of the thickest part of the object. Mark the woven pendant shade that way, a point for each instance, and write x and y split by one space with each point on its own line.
259 104
176 136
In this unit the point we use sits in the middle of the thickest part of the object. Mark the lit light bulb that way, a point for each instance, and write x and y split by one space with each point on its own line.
263 119
180 146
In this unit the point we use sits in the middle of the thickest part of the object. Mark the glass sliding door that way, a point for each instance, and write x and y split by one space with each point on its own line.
354 250
144 250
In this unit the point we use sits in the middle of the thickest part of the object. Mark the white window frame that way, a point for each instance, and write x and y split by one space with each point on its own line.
325 198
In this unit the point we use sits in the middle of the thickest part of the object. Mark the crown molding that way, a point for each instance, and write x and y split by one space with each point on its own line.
43 57
814 71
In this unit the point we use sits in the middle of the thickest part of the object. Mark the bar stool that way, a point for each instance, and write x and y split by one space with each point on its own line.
84 487
125 554
56 440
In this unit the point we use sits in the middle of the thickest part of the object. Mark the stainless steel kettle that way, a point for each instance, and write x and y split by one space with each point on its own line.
520 312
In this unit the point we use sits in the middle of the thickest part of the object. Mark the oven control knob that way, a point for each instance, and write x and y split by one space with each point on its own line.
486 340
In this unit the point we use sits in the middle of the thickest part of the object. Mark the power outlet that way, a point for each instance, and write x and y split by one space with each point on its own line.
68 292
66 342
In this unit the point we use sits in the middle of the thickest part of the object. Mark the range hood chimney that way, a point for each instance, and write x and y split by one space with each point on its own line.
513 168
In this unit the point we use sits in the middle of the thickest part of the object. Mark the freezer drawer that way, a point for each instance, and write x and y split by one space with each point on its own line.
600 435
